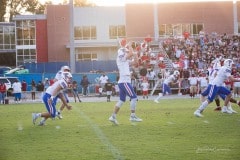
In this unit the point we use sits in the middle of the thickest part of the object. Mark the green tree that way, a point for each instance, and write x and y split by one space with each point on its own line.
15 7
3 4
80 3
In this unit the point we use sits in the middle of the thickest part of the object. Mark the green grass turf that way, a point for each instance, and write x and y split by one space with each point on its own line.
169 131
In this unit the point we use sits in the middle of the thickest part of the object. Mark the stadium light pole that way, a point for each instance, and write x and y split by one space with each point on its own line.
156 29
235 21
72 48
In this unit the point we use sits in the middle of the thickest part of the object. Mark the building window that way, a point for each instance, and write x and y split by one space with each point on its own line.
26 37
7 37
85 32
117 32
238 27
196 28
166 30
87 57
26 32
26 56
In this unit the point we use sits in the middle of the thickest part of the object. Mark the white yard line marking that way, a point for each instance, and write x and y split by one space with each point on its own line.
115 152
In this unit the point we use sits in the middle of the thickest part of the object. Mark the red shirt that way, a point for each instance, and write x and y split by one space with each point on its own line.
24 86
3 88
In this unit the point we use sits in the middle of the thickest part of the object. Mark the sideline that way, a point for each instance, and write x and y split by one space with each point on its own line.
95 98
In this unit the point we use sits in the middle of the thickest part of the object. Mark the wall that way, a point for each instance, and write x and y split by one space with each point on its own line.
77 77
58 32
81 67
41 42
216 16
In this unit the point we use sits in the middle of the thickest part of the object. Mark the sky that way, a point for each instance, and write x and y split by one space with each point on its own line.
122 2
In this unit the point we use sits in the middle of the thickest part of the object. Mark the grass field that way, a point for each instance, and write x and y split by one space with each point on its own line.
169 131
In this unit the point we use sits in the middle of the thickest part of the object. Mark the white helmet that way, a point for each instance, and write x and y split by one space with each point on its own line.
64 68
228 63
176 73
67 76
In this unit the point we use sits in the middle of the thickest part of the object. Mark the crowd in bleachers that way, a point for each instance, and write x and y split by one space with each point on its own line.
189 55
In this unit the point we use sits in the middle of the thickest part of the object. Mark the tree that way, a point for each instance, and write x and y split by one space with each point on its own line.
80 3
2 9
15 7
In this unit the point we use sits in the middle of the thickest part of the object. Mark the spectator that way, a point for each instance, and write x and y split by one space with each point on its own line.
85 83
46 84
17 91
151 78
33 89
3 91
102 80
40 86
145 88
236 86
193 81
75 91
109 88
24 89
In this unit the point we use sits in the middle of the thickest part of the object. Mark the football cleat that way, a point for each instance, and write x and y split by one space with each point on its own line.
226 110
231 110
156 101
113 120
41 123
135 119
59 115
197 113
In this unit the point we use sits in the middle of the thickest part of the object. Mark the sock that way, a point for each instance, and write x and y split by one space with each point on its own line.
114 115
132 114
39 114
217 101
43 120
203 105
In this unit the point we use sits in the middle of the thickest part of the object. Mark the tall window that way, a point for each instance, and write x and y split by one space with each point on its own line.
26 56
7 37
85 32
117 32
178 29
26 40
26 32
238 27
88 56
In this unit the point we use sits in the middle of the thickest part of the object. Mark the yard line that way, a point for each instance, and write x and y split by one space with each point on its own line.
115 152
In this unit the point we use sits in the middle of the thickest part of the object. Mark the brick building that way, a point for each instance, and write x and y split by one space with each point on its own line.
46 38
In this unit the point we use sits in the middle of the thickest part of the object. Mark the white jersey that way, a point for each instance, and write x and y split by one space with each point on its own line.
222 75
123 66
51 89
58 75
212 74
170 79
